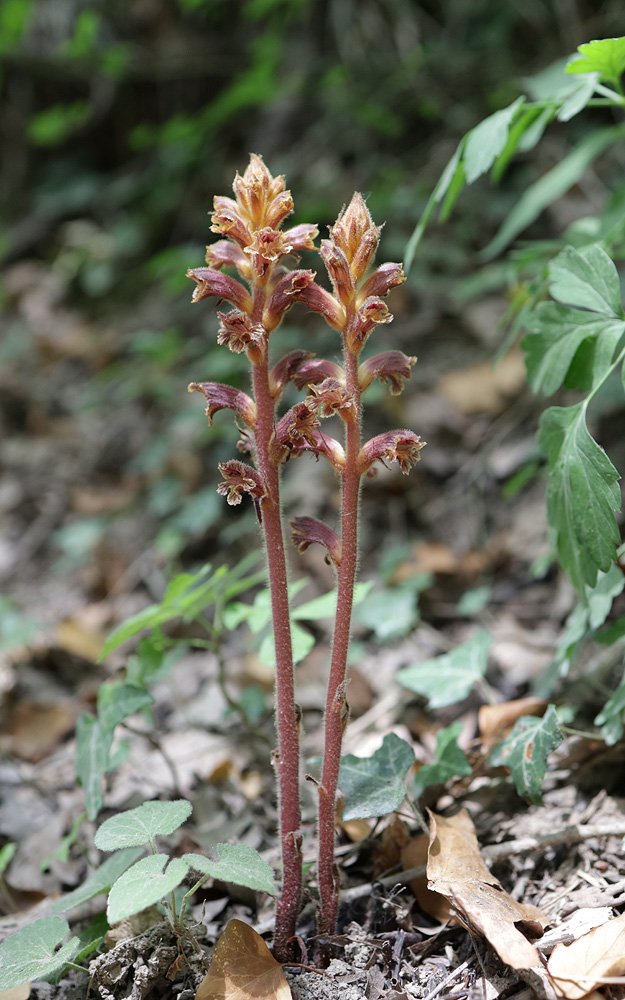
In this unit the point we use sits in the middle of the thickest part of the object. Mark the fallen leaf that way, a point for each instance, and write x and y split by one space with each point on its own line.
243 968
485 388
34 730
77 637
456 869
578 967
494 719
416 853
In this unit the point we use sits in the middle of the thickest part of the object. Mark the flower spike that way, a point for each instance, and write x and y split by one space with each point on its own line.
308 530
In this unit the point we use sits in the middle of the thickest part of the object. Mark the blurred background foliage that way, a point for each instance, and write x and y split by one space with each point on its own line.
119 121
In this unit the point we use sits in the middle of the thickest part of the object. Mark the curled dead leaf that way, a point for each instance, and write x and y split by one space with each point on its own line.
416 853
576 969
457 870
243 968
495 719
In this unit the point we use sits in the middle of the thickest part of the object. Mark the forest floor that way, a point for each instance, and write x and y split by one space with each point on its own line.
451 519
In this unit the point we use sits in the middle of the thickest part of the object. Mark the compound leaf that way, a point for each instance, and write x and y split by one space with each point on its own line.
236 863
143 885
375 786
555 335
447 679
605 56
31 952
588 279
136 827
524 752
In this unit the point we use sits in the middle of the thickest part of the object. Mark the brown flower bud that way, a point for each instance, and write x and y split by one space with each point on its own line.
353 228
390 366
262 199
338 270
226 397
308 530
239 479
393 446
221 286
319 300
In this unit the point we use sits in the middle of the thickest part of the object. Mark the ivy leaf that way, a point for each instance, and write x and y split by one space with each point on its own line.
588 279
117 700
610 718
605 56
237 863
447 679
136 827
524 752
93 747
582 494
144 884
450 761
30 954
375 786
99 881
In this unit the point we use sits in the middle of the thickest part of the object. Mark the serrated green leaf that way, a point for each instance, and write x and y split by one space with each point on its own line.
375 786
487 140
524 752
588 279
605 56
610 718
30 954
117 700
236 863
99 881
582 494
93 748
447 679
143 885
136 827
450 761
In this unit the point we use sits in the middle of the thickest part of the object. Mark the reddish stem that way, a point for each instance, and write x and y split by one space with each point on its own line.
286 757
336 705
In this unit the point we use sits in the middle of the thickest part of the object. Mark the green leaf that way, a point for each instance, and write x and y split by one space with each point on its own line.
99 881
390 612
486 141
136 827
302 641
588 279
439 192
450 761
144 884
93 747
30 954
325 605
605 56
448 679
582 494
524 752
238 864
552 186
375 786
610 718
117 700
7 853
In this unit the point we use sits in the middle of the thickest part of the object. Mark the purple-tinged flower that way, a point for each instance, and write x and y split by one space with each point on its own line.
365 253
393 446
308 530
240 478
390 366
317 299
372 311
221 286
316 370
352 227
302 237
224 253
285 370
330 397
226 397
237 332
266 247
227 220
262 198
284 294
384 278
298 431
337 266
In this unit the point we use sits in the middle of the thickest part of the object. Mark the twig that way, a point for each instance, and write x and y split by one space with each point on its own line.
449 978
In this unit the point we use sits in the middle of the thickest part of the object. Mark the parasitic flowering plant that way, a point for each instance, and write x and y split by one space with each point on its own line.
255 245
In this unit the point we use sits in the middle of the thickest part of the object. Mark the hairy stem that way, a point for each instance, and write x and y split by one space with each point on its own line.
286 757
337 709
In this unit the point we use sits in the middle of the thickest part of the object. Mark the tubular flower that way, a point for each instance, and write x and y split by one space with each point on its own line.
266 246
239 478
319 300
305 531
384 278
222 286
316 370
297 432
226 397
284 294
224 253
228 220
285 370
330 397
337 266
393 446
302 237
237 332
390 366
356 235
261 197
372 311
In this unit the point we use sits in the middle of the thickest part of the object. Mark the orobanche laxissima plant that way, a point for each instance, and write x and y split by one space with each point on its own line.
257 247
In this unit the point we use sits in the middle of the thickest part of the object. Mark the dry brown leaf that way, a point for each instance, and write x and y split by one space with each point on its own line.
33 731
76 636
243 968
599 953
456 869
493 719
416 853
17 993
